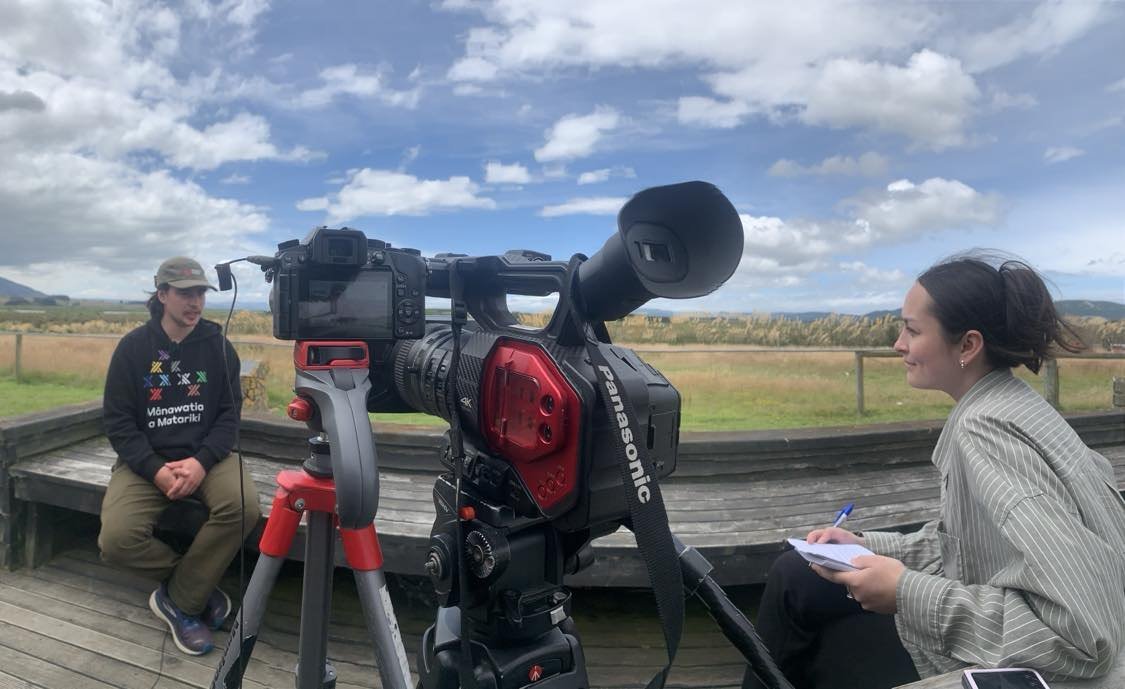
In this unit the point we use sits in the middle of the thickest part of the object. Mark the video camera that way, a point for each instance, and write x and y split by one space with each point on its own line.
541 419
526 398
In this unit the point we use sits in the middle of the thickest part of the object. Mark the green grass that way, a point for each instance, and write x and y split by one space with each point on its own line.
720 390
39 395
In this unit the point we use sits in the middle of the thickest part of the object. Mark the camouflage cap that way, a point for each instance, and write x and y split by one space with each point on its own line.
182 272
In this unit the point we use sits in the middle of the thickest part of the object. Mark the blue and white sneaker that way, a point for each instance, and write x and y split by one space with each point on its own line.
189 633
216 610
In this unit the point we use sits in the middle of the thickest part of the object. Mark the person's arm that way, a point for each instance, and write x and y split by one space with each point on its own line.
1056 605
223 435
119 416
918 550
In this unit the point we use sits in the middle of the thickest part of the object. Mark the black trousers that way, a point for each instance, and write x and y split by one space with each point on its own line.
821 639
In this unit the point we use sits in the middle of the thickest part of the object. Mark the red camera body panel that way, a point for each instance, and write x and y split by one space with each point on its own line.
530 415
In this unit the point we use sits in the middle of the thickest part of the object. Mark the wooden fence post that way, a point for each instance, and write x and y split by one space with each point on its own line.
1051 382
19 356
859 383
1119 392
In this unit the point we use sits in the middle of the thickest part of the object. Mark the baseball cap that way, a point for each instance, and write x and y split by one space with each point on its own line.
182 272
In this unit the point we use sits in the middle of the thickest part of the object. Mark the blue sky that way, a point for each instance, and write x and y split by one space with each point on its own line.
859 141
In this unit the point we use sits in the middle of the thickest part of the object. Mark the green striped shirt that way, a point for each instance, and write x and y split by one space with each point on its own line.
1026 566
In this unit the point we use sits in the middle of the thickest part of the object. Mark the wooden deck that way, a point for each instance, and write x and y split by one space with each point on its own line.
76 623
734 496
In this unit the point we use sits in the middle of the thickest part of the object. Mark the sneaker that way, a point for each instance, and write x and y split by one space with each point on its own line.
216 610
191 635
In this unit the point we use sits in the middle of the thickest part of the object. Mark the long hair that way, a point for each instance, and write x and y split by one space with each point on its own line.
155 307
1009 305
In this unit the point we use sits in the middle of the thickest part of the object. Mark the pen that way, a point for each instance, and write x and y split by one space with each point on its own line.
843 514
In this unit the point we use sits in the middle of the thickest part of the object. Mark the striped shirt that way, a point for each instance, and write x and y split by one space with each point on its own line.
1026 566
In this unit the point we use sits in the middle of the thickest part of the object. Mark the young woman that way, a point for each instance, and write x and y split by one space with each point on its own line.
1026 565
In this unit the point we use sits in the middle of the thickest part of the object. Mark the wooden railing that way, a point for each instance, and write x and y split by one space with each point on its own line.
1050 374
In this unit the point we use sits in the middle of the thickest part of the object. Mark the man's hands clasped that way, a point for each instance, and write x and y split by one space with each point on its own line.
180 478
874 584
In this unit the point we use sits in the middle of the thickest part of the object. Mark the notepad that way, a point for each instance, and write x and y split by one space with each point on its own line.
836 556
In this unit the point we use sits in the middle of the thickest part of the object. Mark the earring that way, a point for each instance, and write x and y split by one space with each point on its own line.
962 363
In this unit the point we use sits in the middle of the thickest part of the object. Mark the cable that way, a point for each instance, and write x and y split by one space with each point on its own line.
160 668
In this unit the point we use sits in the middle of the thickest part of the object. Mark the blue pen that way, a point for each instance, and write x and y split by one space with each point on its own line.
843 514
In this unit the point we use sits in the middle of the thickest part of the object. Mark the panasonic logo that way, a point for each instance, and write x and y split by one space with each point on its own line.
636 466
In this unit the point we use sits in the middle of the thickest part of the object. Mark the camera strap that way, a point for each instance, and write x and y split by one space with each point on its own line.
648 519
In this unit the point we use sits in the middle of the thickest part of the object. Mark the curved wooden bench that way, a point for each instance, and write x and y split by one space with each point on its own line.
734 496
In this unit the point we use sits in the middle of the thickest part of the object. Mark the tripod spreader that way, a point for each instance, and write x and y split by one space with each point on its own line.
734 625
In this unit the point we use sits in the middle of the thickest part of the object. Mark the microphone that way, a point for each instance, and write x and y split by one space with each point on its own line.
223 269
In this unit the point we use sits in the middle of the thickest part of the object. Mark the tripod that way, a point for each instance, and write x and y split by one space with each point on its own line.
331 377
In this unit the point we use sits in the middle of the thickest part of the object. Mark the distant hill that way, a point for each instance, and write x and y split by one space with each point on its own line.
9 289
1108 310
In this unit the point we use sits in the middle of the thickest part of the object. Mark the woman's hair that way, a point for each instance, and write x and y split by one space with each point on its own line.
1009 305
155 307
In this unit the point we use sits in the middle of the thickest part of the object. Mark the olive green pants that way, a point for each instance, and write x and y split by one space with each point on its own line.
131 508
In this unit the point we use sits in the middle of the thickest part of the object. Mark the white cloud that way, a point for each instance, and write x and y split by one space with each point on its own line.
775 248
594 176
1118 85
387 192
868 164
496 172
235 179
930 99
576 136
871 275
1002 100
351 80
591 205
108 218
1050 26
1059 154
603 175
906 210
94 123
708 112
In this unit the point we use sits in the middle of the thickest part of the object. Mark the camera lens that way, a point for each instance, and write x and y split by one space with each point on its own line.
422 371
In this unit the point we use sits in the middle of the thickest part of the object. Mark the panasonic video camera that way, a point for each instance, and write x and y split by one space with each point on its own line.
536 439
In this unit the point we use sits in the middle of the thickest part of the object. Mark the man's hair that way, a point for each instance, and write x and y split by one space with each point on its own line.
155 306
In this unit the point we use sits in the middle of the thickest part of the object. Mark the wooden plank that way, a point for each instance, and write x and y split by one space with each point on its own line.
93 664
42 673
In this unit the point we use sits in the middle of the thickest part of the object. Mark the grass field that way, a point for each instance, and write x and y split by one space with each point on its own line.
720 389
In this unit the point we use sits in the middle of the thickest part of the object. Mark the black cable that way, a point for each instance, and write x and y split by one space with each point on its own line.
160 668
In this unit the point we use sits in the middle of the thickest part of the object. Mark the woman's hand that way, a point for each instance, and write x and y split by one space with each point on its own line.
874 585
833 534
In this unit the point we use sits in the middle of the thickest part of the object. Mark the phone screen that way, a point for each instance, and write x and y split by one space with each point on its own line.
1007 679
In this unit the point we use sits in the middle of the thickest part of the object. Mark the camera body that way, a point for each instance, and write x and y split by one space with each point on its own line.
339 285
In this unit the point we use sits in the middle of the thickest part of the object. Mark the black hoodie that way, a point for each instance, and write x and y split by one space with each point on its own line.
166 400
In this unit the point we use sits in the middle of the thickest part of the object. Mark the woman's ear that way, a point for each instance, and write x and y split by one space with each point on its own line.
972 347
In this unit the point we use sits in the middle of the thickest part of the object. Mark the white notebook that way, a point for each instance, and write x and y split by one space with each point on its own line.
836 556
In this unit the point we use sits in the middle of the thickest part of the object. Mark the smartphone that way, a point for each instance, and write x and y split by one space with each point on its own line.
1003 678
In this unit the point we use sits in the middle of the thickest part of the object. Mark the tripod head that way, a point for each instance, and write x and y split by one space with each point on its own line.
332 384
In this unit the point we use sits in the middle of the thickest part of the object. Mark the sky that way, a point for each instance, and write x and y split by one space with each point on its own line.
860 141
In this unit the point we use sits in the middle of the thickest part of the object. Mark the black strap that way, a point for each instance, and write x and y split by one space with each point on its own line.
457 317
647 518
